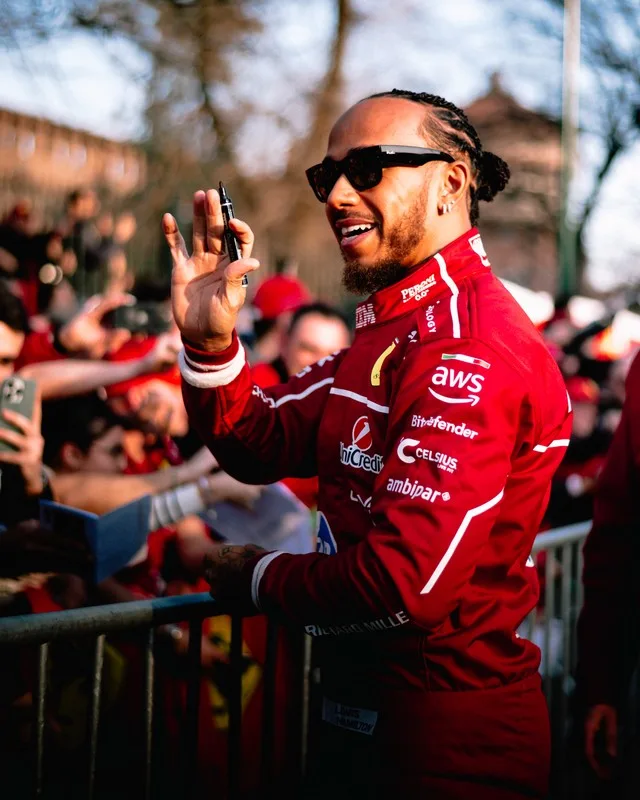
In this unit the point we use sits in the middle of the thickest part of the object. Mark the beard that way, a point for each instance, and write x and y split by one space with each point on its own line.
402 241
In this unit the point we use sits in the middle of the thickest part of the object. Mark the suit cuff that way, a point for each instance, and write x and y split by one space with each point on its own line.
210 370
259 568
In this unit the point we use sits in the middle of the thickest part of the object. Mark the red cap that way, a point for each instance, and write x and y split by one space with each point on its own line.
583 390
137 348
278 294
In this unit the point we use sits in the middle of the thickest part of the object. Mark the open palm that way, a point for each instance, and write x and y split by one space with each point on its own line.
206 289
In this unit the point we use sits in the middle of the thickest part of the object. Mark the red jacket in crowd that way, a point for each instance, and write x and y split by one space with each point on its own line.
609 624
435 437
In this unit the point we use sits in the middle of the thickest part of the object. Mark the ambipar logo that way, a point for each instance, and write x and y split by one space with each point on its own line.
413 489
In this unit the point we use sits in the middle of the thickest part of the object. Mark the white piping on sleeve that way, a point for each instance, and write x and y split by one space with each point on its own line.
360 398
453 305
258 574
305 393
570 407
471 514
210 376
542 448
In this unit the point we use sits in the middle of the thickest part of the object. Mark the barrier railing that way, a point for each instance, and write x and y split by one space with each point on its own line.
552 626
97 622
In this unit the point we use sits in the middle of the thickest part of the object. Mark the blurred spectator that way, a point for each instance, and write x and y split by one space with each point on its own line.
82 238
274 301
315 331
574 483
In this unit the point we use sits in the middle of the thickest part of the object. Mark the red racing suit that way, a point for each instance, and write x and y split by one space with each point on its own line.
435 437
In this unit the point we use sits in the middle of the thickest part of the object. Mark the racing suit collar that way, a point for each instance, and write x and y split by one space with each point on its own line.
435 278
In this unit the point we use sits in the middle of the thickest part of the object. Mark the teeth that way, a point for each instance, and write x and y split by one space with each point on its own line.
353 228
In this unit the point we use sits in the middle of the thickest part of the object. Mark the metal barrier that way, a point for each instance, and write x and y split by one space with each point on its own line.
96 622
562 603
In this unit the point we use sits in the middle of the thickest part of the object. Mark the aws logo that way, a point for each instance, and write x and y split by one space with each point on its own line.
457 378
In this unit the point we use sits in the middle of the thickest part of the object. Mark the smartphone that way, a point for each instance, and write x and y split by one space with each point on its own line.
148 318
17 394
230 241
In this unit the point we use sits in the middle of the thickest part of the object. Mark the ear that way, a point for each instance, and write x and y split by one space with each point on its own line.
71 457
455 183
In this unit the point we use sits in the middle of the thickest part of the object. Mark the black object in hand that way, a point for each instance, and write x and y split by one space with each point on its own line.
230 241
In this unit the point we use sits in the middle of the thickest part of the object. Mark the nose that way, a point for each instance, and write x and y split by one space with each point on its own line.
342 194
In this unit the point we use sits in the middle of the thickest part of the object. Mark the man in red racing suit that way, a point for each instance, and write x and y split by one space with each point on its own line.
435 437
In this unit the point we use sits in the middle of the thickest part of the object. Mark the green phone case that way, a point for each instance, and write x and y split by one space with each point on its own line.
17 394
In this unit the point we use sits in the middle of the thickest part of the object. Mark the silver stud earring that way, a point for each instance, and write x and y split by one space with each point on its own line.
446 207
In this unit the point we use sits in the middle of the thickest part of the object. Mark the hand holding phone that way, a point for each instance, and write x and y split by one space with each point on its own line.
21 442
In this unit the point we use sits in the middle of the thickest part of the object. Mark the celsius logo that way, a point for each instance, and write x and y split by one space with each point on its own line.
361 434
441 460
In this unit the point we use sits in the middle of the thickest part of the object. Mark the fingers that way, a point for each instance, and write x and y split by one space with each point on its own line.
238 269
215 222
174 239
244 235
109 303
117 339
601 716
199 224
24 424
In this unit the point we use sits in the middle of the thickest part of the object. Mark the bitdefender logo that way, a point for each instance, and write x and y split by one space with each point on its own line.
355 454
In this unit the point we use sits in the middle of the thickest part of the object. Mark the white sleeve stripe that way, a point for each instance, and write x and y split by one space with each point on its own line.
258 573
569 403
542 448
359 398
474 512
453 305
305 393
211 380
199 367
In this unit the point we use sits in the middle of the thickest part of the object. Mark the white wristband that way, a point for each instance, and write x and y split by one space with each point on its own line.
205 376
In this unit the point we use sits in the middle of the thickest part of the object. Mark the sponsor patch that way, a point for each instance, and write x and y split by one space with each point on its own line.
365 502
413 489
408 452
365 315
449 378
477 362
377 367
460 429
419 291
478 248
360 720
325 541
355 454
431 319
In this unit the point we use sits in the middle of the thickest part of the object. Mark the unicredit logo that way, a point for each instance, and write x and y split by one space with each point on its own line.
361 434
353 456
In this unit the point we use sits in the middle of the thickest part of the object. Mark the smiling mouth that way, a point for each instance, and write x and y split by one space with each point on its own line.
353 234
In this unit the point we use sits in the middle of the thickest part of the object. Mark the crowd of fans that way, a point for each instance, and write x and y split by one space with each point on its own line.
108 427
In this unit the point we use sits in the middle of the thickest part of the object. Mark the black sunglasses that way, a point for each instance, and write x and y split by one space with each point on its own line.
363 166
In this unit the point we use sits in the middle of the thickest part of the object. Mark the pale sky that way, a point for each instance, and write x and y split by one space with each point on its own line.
84 83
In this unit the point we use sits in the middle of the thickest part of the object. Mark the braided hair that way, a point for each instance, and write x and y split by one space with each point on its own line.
450 130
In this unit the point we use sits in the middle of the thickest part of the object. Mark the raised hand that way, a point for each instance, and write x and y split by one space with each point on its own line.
207 290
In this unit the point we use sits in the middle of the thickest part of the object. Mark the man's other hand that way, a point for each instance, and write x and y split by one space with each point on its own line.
207 290
602 720
222 569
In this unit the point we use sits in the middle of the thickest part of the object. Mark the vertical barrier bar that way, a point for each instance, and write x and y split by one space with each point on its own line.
95 712
566 615
306 697
549 611
148 711
235 708
190 753
269 705
43 661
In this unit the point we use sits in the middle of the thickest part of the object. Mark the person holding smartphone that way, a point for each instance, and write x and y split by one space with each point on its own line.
434 437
